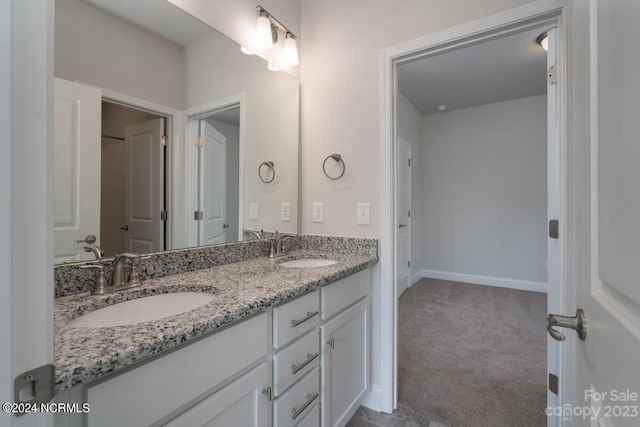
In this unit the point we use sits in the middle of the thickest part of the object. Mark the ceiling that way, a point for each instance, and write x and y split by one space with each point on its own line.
158 17
498 70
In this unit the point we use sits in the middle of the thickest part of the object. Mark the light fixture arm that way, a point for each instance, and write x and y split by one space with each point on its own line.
274 22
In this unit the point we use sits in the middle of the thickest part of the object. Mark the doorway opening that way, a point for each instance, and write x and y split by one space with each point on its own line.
133 188
219 172
477 121
217 129
498 27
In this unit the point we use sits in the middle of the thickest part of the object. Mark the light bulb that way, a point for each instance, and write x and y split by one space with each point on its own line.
290 52
264 40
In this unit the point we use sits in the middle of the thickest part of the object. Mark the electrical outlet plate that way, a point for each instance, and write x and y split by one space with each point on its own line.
285 212
364 214
318 212
253 211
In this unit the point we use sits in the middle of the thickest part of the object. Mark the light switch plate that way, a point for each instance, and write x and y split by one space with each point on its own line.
285 211
253 211
318 212
364 214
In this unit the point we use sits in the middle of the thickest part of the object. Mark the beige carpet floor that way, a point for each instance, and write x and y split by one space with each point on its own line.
473 355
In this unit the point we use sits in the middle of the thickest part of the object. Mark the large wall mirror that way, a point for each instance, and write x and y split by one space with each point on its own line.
166 135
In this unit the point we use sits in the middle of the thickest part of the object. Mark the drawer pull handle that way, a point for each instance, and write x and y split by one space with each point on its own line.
295 413
310 358
309 315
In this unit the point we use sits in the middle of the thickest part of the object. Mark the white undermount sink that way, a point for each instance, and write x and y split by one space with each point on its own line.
143 309
308 263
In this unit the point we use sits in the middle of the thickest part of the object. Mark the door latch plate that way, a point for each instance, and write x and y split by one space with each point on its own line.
34 386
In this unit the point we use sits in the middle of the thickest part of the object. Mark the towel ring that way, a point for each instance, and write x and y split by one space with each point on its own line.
337 158
269 164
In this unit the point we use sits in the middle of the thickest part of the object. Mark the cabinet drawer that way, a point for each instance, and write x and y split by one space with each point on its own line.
294 318
288 364
148 393
312 419
342 293
301 398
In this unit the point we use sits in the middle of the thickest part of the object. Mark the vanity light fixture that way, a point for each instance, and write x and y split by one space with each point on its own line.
290 52
266 36
543 41
273 67
246 51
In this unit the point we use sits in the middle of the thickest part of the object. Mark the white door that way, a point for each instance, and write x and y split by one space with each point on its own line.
76 182
144 187
404 215
76 169
213 185
606 209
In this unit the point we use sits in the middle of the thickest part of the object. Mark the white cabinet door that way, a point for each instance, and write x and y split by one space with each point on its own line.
241 403
345 358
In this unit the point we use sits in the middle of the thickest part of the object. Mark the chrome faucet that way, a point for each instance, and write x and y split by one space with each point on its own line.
254 233
117 281
277 246
97 252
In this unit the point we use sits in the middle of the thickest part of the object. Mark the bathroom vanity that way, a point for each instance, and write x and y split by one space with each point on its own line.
277 346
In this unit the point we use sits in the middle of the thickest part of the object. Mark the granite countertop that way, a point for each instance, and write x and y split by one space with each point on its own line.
241 289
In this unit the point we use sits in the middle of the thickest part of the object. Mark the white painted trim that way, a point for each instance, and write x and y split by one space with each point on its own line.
191 117
26 221
502 23
415 277
372 399
174 130
498 282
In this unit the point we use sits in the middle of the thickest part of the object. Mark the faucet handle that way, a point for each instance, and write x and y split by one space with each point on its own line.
134 277
100 287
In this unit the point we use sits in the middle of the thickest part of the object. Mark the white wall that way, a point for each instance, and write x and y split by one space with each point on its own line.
409 127
232 183
270 122
340 78
94 47
485 190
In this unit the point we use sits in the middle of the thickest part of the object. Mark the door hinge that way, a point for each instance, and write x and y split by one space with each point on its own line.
34 386
553 74
409 213
409 162
553 229
553 383
409 264
199 142
198 215
163 140
164 215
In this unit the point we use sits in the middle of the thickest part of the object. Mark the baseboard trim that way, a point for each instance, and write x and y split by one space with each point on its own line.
413 279
372 399
499 282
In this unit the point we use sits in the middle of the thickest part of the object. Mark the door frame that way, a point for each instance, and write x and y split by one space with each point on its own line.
401 140
544 11
191 117
174 168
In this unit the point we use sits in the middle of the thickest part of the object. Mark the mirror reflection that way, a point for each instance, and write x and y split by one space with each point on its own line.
160 126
